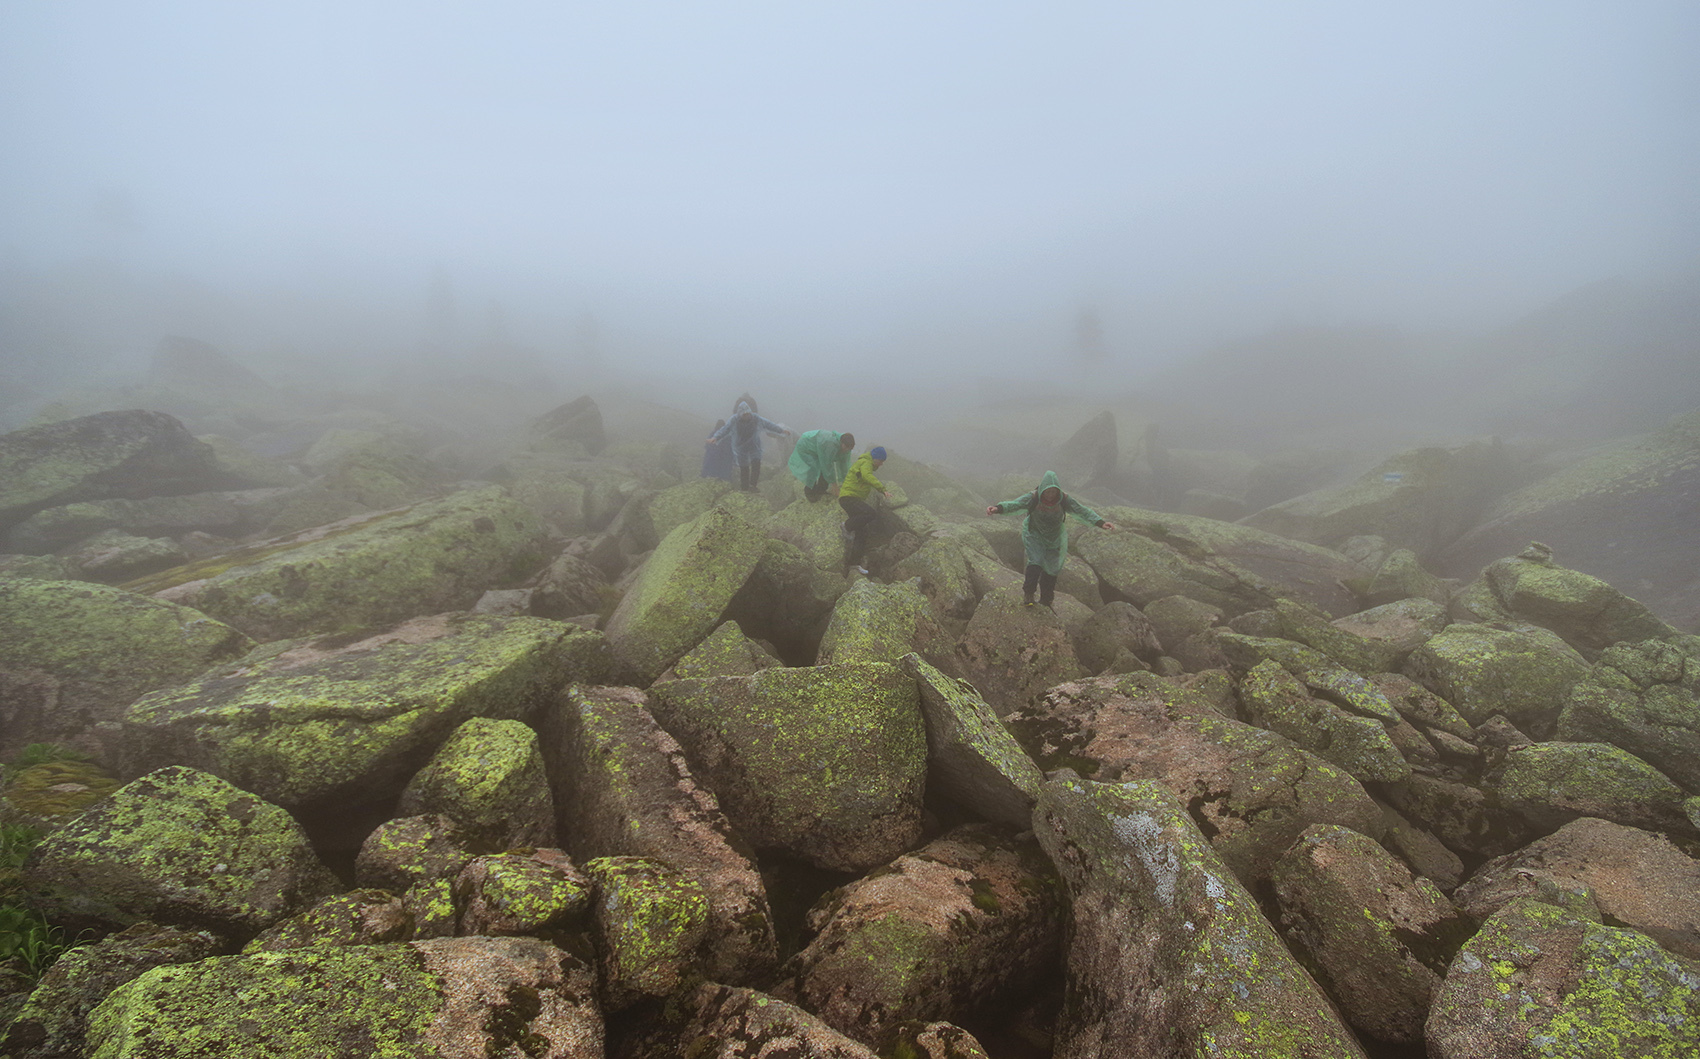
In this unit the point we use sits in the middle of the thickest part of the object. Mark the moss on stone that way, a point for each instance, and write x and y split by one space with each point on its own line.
1553 783
489 777
651 920
1526 675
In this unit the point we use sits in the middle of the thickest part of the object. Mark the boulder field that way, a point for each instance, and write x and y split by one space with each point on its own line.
583 756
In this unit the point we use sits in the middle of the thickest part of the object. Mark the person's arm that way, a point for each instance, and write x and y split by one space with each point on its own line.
776 429
718 434
1081 511
1004 507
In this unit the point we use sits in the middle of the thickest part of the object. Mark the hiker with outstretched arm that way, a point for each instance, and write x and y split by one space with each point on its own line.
1044 533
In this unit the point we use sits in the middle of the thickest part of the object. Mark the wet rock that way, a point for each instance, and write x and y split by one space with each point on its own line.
625 789
875 622
522 891
1272 698
1636 879
1187 629
362 572
971 758
1401 576
676 505
1012 652
650 925
1379 937
1422 707
945 577
359 917
969 920
180 848
826 762
74 655
1588 613
1401 627
334 722
489 778
1525 675
936 1040
455 998
1426 854
1538 978
402 853
1251 791
726 653
1169 954
1289 621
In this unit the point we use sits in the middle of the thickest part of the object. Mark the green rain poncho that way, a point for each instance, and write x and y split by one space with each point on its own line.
1045 531
818 455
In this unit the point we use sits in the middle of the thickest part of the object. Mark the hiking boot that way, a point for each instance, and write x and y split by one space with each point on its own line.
1027 599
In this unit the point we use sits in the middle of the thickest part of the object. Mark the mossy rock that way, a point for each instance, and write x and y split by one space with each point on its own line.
481 996
358 917
1644 698
522 891
178 847
1272 698
1541 980
48 794
972 758
1588 613
328 721
682 592
1401 576
1400 627
875 622
945 576
824 762
366 571
489 777
1551 784
679 504
73 655
1526 675
651 921
543 483
814 530
1013 652
727 652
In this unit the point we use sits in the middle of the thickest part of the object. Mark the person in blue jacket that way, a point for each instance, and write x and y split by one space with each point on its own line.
717 458
746 429
1044 533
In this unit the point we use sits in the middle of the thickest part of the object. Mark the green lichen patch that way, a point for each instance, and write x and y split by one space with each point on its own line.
489 777
1527 674
54 791
1274 699
1551 784
875 622
651 921
726 652
971 757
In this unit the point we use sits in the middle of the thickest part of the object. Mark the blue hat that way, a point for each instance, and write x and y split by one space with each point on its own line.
877 452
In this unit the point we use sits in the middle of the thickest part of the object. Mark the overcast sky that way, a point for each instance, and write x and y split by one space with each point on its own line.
793 178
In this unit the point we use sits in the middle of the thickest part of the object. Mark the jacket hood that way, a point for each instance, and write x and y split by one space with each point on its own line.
1049 481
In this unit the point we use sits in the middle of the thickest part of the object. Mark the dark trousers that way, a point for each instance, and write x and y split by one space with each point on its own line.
858 519
748 475
816 491
1046 583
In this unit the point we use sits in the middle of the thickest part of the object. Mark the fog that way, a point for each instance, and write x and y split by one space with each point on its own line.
918 207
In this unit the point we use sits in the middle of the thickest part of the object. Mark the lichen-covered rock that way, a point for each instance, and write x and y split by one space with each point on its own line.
1421 499
1378 938
571 586
576 423
1289 621
111 454
449 998
359 917
1169 954
788 599
402 853
1644 698
1426 854
1551 784
875 622
1590 614
1113 628
650 925
1188 630
1012 652
364 571
73 655
1421 706
826 762
727 652
46 795
972 918
724 1022
1461 816
488 777
522 891
971 757
224 514
945 576
1252 791
679 504
1401 626
625 789
682 591
1525 675
329 721
1401 576
182 848
1540 980
1636 878
52 1021
113 556
1272 698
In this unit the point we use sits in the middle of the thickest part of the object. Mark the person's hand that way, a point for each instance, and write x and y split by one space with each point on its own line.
835 490
710 441
992 509
1106 524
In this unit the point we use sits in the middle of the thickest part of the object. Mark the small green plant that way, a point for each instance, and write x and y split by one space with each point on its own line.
16 841
28 941
44 753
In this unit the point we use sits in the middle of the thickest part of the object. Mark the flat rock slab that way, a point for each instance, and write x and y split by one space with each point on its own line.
825 762
365 571
971 757
325 721
453 998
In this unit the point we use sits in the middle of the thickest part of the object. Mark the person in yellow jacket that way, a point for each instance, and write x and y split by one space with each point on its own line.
858 513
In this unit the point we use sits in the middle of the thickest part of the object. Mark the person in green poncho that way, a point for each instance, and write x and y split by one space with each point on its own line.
1045 533
821 460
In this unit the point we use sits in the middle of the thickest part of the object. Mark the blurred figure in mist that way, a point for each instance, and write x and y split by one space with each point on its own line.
717 457
820 461
745 430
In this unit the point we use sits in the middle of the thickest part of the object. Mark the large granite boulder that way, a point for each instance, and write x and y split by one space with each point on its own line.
488 777
624 789
946 579
576 423
731 1023
1272 698
971 757
825 762
544 483
788 599
449 998
1525 675
1252 791
682 591
1635 878
329 723
650 923
356 917
875 622
1115 628
1540 979
678 504
1643 698
1290 621
1378 938
1400 627
1551 784
1421 499
1012 652
73 655
523 891
1619 515
970 920
182 848
1169 955
364 571
727 652
111 454
1588 613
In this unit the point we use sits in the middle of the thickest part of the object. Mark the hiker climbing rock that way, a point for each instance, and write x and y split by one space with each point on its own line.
746 428
1045 533
858 513
821 460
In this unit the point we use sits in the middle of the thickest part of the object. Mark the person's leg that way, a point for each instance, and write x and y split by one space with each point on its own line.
814 492
1047 588
1030 583
858 516
755 473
